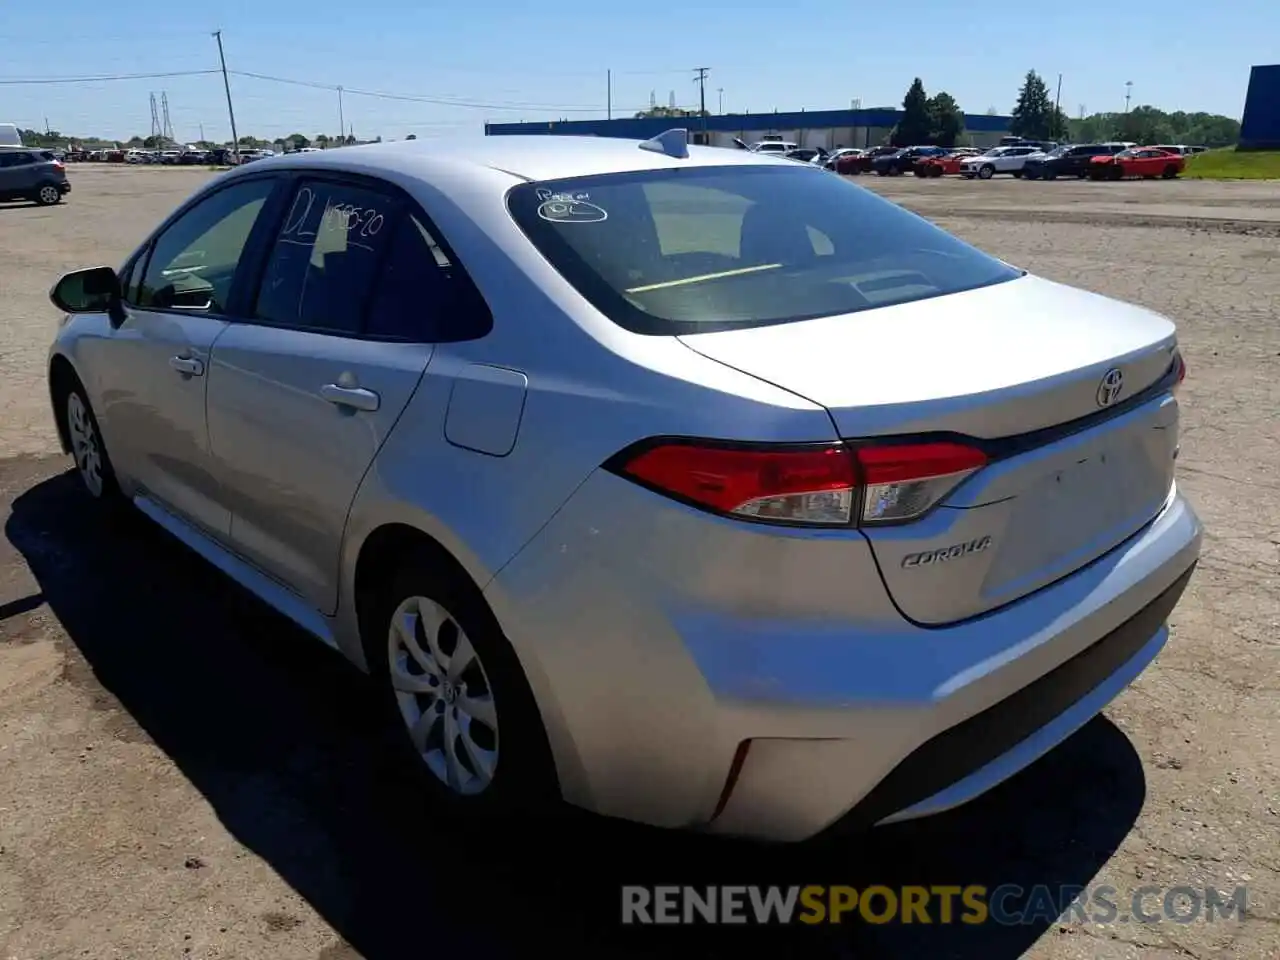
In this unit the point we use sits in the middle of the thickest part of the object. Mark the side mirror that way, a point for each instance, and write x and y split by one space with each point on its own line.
95 290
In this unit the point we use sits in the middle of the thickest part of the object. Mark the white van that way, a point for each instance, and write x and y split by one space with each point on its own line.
9 136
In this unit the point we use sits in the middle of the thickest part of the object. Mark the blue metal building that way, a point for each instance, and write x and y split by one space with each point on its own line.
809 127
1260 126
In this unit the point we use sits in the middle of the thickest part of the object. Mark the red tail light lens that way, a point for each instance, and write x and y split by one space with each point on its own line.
813 485
817 485
904 481
1182 371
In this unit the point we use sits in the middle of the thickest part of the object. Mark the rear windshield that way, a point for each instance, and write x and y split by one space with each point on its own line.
711 248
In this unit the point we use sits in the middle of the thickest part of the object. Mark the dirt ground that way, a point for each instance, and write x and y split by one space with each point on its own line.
183 775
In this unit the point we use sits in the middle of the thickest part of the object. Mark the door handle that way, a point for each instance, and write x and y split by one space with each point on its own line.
357 398
187 365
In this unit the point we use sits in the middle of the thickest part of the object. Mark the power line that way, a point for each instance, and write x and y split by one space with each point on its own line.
104 78
417 98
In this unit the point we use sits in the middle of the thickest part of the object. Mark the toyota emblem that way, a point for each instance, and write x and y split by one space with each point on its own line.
1110 387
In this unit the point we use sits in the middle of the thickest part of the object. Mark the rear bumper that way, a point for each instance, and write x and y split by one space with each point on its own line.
658 641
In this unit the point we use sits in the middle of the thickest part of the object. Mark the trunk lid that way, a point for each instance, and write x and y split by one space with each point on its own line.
1081 457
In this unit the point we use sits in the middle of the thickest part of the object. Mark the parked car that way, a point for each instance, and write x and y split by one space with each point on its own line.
805 154
997 160
855 163
1145 162
947 163
32 174
773 146
454 409
901 161
1181 149
1073 160
833 158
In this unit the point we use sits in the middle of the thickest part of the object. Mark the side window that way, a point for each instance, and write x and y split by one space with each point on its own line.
12 158
322 266
421 295
194 261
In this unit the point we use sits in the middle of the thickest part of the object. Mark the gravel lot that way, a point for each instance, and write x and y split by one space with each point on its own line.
183 775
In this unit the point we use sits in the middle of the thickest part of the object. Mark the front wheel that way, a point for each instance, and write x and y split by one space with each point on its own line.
986 171
1017 174
459 707
85 438
1170 172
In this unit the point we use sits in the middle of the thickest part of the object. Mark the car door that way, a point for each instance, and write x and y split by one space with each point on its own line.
303 394
152 370
15 173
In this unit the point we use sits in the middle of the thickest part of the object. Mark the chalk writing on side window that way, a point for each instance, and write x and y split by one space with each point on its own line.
309 216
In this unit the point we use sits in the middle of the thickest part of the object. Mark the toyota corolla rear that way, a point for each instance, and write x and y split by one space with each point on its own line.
969 551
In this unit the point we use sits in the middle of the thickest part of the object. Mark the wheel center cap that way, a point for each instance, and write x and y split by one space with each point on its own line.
448 691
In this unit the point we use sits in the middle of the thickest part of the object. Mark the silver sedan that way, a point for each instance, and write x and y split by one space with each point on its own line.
680 484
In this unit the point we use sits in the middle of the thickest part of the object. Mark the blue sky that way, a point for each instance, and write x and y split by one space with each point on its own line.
522 61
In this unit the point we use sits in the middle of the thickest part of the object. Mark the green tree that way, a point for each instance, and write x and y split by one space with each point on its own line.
296 141
1035 116
916 125
946 119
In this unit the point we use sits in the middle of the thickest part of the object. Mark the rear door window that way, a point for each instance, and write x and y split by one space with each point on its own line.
322 265
422 295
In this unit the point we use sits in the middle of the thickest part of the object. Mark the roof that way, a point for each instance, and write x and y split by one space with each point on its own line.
735 123
526 158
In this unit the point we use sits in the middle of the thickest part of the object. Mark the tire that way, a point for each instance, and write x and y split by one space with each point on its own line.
1049 175
1017 174
93 465
47 195
986 171
935 171
921 172
1117 173
501 763
1170 172
1082 174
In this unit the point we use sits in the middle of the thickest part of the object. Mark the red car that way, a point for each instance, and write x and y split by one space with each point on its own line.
937 166
852 163
1145 162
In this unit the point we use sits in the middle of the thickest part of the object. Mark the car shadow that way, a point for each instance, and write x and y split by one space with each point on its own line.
276 732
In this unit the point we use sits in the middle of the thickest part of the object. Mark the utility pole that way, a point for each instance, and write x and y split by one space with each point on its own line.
701 80
1128 92
608 86
202 140
1057 100
226 84
720 101
342 121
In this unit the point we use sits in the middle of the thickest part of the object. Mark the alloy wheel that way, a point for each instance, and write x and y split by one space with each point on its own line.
49 194
85 444
444 696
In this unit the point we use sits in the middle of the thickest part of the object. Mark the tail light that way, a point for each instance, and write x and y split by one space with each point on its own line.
810 485
1181 374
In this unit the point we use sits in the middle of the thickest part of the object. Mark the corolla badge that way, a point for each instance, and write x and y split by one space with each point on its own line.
928 558
1110 386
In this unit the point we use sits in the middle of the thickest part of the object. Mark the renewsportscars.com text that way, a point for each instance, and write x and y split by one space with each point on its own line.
1009 904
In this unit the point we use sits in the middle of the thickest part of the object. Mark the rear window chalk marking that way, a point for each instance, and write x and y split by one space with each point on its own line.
568 210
